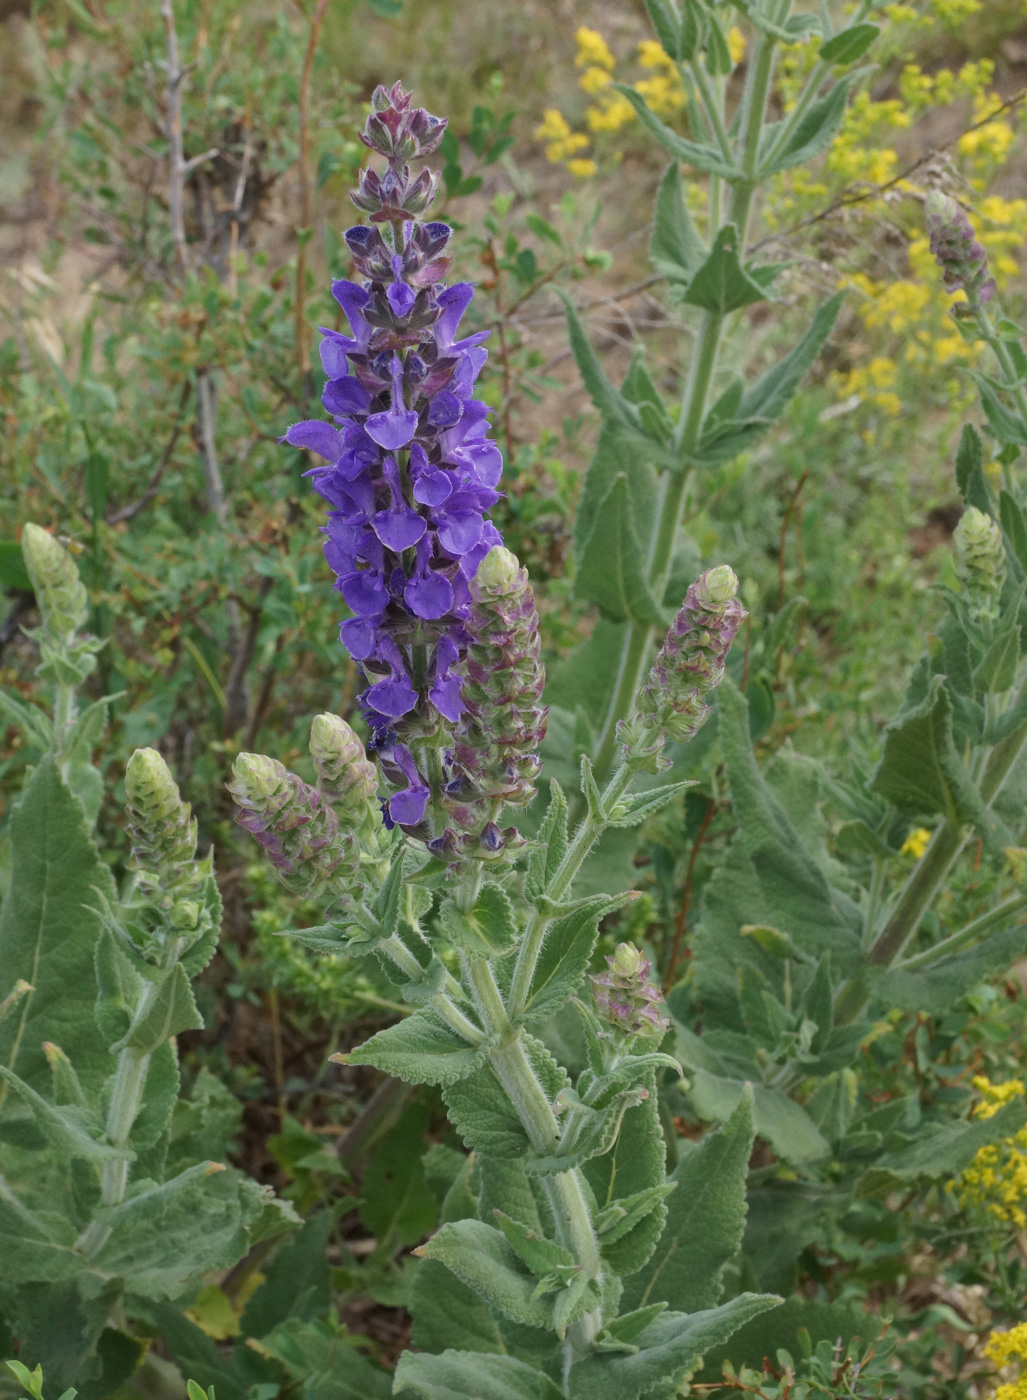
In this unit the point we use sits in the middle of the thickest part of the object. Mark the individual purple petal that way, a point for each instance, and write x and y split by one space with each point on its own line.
319 437
393 697
445 409
407 808
429 595
401 297
353 298
453 302
433 487
358 635
394 428
399 529
333 353
364 592
445 696
459 530
346 395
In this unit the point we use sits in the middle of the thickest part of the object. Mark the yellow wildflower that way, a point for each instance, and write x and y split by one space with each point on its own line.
611 114
593 80
664 94
583 169
916 843
996 1180
954 12
1001 1347
553 127
736 44
653 55
593 49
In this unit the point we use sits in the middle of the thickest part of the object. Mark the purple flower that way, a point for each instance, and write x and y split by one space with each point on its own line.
410 469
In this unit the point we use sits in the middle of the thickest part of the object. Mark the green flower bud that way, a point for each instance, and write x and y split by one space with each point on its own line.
59 591
161 825
980 562
345 777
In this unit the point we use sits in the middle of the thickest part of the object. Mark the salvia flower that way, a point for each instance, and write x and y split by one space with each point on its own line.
291 821
411 472
674 701
980 562
495 759
963 260
624 996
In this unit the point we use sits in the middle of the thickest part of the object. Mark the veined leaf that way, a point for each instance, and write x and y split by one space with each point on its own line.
551 845
66 1129
814 132
421 1050
611 570
636 1164
849 44
464 1375
936 987
668 1348
949 1149
481 1111
566 954
705 1220
481 1258
705 158
36 1247
169 1009
675 248
488 930
611 404
722 284
970 478
48 929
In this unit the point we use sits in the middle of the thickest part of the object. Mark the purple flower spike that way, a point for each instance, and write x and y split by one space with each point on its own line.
411 473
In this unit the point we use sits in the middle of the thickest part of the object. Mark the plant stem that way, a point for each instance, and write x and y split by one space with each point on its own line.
589 831
927 879
635 651
442 1004
965 937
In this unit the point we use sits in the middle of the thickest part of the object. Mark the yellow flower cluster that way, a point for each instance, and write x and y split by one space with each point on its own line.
662 88
952 13
1001 1348
916 842
996 1179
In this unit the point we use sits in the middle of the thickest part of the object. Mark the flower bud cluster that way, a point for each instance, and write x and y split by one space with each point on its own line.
673 702
345 777
980 563
495 758
290 819
963 261
63 604
168 877
624 996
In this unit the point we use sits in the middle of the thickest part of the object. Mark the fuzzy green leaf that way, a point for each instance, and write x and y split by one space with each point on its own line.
421 1050
705 1220
611 404
668 1348
565 956
675 248
705 158
481 1258
936 987
814 132
949 1149
636 1164
784 1123
722 284
640 806
551 845
481 1111
66 1129
397 1205
610 571
47 934
36 1246
169 1009
849 44
486 931
446 1313
463 1375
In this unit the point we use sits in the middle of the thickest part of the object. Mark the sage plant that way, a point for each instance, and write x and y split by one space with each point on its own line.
481 928
100 1214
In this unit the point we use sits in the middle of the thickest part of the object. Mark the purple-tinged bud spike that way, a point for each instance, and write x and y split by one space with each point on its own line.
625 998
496 744
673 702
291 821
963 261
345 777
980 563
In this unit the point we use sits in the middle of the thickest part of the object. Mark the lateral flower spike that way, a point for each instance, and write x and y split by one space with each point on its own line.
674 701
345 776
963 260
980 562
289 819
59 591
624 996
496 744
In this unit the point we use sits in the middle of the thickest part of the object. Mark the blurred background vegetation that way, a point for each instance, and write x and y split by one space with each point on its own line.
149 363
